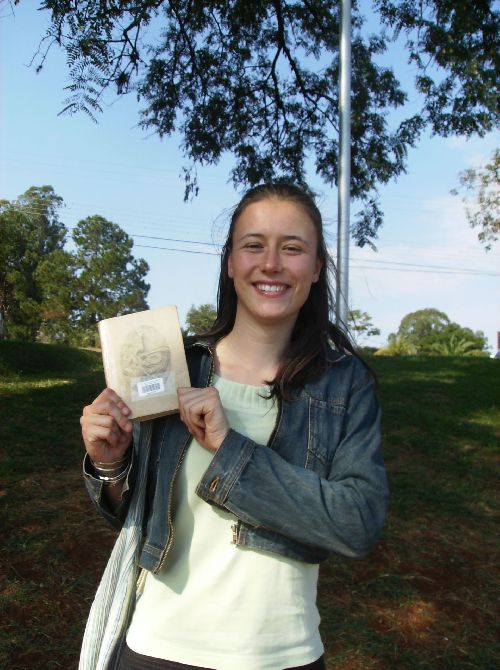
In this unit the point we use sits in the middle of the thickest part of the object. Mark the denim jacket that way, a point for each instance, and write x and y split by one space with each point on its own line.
318 486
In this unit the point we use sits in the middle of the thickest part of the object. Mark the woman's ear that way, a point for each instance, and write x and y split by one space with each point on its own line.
230 272
319 265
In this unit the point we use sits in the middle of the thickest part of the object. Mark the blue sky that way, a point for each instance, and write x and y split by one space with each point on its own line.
427 255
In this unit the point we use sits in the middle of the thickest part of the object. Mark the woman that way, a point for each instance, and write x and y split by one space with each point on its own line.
273 462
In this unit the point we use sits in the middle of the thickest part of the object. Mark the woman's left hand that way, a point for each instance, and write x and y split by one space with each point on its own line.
202 412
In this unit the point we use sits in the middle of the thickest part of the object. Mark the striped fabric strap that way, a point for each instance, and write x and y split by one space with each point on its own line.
114 599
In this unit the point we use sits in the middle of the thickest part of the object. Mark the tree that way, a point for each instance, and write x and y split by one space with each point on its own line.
456 346
110 281
427 331
455 340
259 79
481 188
58 283
30 232
9 243
51 294
397 345
200 319
422 324
360 325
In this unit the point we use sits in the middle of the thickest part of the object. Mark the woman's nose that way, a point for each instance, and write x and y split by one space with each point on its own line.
272 260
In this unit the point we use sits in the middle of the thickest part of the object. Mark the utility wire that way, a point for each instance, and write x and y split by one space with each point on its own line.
375 264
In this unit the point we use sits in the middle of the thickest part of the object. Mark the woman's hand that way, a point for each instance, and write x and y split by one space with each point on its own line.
202 412
106 431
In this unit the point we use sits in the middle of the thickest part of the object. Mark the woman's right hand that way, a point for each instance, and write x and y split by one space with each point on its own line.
106 430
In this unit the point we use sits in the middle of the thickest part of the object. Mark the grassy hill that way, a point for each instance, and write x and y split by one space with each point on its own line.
425 598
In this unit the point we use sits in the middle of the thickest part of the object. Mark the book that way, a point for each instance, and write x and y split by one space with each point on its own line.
144 360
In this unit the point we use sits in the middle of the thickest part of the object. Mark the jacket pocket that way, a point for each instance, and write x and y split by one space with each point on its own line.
326 421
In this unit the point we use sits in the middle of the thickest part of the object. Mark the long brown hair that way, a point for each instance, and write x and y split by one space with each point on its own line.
305 359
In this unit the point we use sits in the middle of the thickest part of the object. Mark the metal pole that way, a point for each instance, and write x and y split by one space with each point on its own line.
344 181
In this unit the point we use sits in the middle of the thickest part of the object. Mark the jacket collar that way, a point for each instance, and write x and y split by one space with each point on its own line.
333 354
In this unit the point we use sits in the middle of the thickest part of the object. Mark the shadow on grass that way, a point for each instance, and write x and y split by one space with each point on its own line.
441 421
43 389
21 359
425 598
54 546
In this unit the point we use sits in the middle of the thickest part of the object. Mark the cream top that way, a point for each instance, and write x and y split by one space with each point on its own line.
215 604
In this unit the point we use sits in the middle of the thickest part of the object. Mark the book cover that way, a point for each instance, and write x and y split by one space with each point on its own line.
144 360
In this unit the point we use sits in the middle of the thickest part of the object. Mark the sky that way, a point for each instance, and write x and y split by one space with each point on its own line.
427 255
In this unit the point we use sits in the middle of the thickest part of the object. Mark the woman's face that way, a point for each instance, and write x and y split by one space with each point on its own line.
274 261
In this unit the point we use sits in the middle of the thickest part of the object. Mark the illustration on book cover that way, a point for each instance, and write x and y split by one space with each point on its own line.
145 359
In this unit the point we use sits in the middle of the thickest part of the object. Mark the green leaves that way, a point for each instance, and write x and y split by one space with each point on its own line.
429 331
361 325
52 295
30 231
110 281
481 195
200 319
259 79
454 47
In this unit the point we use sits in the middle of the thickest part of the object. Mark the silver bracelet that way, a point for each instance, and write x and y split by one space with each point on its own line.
112 481
122 460
116 471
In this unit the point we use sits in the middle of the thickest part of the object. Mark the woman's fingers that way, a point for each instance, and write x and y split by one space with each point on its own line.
202 412
101 427
105 427
108 403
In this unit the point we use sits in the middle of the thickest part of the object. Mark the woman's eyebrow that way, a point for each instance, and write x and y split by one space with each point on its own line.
285 238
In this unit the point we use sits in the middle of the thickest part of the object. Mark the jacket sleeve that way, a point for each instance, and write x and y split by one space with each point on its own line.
95 487
343 512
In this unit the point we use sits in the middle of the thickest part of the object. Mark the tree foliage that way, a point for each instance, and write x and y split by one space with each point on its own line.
455 346
481 189
421 324
54 295
110 282
59 297
200 319
397 345
30 232
259 79
453 47
361 325
430 331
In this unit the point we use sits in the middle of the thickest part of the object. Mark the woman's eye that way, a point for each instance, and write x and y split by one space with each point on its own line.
293 249
252 246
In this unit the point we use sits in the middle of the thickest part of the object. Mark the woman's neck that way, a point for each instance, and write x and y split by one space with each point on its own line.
250 353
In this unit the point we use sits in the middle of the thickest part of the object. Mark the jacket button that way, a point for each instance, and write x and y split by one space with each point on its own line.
214 484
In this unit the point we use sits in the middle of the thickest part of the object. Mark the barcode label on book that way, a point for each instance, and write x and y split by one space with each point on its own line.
151 387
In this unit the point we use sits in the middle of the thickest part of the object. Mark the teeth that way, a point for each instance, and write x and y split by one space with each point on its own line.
271 288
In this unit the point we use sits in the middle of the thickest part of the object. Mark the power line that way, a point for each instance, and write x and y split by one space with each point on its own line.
184 251
168 239
423 269
375 264
422 265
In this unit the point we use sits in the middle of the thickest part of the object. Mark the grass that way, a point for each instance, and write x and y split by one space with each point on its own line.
425 598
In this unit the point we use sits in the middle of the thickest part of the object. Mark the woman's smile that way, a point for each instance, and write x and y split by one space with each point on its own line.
271 290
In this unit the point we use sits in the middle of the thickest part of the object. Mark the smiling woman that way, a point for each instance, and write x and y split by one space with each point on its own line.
273 463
